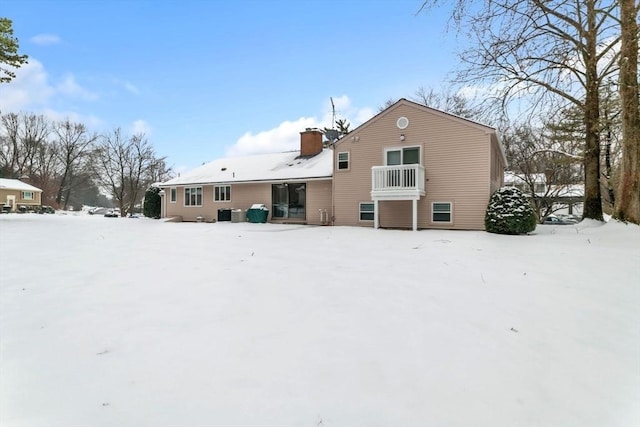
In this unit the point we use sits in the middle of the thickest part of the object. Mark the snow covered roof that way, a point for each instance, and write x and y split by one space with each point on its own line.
570 190
15 184
514 178
263 167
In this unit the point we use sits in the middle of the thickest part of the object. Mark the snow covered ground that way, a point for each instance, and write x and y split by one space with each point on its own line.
135 322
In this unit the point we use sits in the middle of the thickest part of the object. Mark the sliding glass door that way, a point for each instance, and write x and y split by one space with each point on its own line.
289 201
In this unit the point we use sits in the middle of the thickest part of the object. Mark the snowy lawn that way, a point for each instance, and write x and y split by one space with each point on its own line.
135 322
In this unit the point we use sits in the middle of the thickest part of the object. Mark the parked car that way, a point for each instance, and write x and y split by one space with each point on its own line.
112 213
99 211
556 220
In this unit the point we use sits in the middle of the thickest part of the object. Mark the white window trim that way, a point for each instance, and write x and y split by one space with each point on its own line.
348 161
450 212
184 193
31 194
172 191
228 193
387 149
360 212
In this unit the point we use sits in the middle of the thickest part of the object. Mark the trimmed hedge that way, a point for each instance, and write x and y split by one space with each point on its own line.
509 212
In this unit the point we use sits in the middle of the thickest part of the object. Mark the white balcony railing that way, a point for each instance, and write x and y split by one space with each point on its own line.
397 182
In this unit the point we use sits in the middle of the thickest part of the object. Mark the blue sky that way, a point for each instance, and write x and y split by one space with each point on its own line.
207 79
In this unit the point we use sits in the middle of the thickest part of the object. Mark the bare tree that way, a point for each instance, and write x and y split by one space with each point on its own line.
24 135
45 174
125 167
545 176
544 52
445 100
448 101
73 146
628 203
388 103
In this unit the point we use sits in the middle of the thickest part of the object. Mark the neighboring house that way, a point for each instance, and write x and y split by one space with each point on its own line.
294 186
410 166
523 182
547 198
14 194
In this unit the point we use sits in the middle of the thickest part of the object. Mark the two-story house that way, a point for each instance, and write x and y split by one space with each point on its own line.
410 166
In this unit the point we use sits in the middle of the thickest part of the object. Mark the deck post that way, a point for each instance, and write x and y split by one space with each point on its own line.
376 220
415 215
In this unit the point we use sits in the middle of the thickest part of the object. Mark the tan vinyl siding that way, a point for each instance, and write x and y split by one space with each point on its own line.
243 196
497 167
17 194
318 198
457 157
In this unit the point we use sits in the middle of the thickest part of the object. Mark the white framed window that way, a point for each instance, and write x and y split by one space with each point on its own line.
173 195
402 156
343 160
27 195
222 193
193 196
367 210
441 212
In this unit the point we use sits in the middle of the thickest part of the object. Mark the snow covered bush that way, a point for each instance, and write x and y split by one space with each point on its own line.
509 212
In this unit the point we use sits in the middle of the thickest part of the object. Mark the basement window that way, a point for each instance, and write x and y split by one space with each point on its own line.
441 212
366 211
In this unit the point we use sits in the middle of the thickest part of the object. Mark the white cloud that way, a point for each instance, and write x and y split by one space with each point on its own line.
29 89
32 89
286 136
69 87
45 39
92 122
140 127
131 88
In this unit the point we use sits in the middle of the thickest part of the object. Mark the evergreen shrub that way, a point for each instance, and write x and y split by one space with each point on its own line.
509 212
152 201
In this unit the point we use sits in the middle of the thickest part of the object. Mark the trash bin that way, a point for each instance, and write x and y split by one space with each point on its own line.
257 213
224 214
237 215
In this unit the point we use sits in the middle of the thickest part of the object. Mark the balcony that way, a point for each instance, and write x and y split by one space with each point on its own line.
399 182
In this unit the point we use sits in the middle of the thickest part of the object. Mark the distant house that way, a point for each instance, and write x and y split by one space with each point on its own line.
17 195
547 198
410 166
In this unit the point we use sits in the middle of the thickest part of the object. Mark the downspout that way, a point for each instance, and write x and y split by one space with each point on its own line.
333 186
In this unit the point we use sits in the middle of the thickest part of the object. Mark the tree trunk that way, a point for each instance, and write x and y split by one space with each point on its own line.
592 196
628 201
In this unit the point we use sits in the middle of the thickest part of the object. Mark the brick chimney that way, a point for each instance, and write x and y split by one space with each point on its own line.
310 142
